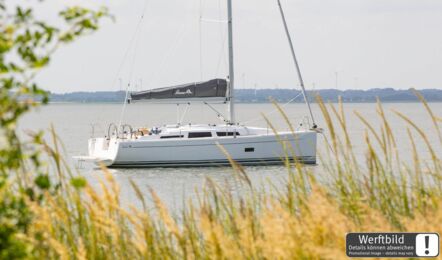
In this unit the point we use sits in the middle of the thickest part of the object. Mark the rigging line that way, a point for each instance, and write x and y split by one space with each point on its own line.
220 17
223 33
179 75
221 58
222 52
182 33
158 74
295 60
135 41
131 42
124 107
184 114
274 110
130 81
218 114
136 46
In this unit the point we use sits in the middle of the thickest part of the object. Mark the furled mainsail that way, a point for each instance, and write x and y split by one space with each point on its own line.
216 88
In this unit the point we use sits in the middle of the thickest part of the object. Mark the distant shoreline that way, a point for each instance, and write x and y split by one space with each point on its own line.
261 96
246 103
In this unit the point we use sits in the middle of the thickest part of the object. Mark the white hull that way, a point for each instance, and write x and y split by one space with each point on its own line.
247 150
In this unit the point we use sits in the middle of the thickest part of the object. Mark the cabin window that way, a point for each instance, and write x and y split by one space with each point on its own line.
249 150
227 133
171 136
200 134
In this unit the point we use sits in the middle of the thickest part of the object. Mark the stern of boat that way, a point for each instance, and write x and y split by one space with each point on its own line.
102 150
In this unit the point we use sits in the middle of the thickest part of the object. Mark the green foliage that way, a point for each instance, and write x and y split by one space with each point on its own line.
26 46
14 218
78 182
42 181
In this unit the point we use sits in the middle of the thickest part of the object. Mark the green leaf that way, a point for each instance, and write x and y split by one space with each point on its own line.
41 63
43 182
78 182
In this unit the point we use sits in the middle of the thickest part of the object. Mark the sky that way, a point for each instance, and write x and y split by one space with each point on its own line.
344 44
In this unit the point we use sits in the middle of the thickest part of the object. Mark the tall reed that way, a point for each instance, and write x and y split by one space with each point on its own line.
307 220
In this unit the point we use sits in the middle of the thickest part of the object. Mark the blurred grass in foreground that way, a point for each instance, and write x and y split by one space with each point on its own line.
308 219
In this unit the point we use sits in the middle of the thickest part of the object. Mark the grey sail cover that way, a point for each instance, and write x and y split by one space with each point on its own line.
216 88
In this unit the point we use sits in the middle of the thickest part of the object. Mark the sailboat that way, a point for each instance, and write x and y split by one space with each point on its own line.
204 144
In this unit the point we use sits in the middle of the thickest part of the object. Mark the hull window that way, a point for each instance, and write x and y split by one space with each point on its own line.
227 134
172 136
200 134
249 150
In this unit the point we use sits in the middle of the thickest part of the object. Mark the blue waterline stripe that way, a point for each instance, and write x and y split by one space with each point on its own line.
306 160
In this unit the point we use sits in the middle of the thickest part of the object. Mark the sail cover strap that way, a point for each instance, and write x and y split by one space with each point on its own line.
216 88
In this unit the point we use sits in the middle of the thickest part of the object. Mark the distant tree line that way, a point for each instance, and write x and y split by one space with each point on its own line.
280 95
385 94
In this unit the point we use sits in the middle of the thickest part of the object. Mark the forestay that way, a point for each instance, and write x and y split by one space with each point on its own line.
212 89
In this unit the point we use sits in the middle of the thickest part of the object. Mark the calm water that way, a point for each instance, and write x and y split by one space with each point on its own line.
74 123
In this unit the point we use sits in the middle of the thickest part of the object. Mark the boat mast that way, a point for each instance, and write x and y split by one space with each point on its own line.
301 81
231 107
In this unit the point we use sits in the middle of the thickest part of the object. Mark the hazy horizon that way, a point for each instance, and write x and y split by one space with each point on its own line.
264 88
369 44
